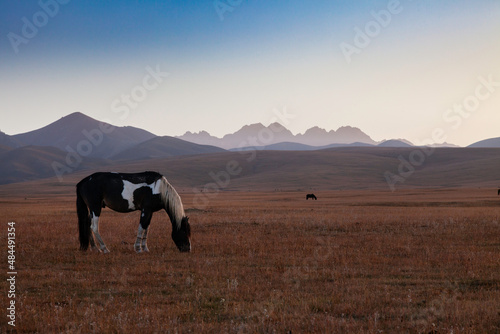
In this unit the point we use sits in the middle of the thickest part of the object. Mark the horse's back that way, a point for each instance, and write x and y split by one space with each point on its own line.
112 177
97 179
144 177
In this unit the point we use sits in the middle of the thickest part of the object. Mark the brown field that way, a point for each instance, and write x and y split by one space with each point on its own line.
415 261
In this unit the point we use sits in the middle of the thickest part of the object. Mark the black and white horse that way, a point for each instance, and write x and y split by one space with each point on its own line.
148 192
311 196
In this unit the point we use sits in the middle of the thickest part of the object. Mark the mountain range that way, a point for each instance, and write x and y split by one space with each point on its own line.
277 137
257 135
78 142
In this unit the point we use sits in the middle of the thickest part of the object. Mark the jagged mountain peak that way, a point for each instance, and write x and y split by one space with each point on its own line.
315 130
277 133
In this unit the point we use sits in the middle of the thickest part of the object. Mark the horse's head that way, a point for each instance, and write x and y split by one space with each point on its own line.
181 236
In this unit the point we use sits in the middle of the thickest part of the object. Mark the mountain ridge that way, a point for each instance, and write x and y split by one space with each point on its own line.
87 136
257 135
56 134
77 142
486 143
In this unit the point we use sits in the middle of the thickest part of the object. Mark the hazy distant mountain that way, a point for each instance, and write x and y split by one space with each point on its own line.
288 146
445 144
34 154
202 137
109 147
258 135
132 149
283 146
9 141
81 133
395 143
492 142
162 147
344 135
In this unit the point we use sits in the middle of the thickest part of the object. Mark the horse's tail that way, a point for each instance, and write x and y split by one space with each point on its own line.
83 219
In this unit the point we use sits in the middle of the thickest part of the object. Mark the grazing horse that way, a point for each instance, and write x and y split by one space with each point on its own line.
312 196
148 192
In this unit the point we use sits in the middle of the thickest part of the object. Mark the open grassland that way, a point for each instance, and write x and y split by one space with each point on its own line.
353 261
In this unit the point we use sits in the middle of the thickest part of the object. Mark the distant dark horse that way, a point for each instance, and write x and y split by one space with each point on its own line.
311 196
148 192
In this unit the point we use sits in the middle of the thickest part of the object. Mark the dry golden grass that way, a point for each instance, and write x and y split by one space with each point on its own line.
353 261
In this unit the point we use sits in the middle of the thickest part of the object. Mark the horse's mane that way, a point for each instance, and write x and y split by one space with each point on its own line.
172 202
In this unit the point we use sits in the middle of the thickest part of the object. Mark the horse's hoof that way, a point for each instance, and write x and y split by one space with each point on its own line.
105 251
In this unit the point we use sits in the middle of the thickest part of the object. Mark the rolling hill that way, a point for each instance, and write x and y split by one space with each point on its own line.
77 142
321 170
76 130
288 146
36 162
395 143
492 142
292 146
162 147
330 169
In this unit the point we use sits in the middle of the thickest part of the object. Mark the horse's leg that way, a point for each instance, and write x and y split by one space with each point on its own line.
144 240
95 229
93 246
92 242
142 232
137 245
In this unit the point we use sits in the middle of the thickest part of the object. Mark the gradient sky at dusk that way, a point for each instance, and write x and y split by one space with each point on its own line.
423 68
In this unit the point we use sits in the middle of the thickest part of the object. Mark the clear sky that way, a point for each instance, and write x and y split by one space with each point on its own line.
395 69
